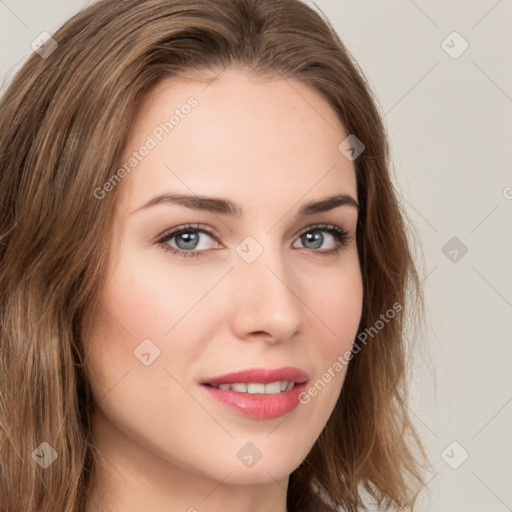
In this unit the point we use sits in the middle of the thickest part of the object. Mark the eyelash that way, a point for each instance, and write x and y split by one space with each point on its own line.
341 237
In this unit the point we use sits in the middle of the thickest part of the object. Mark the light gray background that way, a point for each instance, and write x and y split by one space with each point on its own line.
450 126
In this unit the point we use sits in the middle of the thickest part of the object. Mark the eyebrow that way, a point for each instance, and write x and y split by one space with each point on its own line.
227 207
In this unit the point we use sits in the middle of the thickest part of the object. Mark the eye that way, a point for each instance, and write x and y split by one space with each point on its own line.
315 237
192 240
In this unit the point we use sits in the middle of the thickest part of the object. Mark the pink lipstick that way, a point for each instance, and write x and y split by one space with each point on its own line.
259 392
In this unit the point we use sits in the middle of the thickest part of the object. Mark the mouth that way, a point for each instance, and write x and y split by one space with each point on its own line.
259 393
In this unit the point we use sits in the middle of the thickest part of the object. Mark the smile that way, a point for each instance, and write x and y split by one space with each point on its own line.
258 393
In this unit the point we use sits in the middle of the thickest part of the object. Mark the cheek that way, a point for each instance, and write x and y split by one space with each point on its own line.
127 312
337 306
147 299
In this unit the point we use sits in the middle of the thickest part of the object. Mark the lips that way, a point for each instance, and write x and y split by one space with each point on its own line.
251 401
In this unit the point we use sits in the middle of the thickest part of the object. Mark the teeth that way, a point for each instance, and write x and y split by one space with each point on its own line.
273 388
255 388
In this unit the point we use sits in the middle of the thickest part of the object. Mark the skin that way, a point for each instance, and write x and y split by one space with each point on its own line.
164 444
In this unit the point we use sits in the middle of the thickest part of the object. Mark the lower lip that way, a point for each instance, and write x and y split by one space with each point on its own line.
259 405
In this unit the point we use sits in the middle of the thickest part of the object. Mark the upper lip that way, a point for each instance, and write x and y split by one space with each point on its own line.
260 375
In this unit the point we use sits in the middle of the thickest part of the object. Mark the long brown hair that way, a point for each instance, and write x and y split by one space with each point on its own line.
64 121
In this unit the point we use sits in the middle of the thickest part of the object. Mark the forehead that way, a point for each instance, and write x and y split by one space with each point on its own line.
238 135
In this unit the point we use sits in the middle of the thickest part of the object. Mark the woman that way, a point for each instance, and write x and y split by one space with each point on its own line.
204 269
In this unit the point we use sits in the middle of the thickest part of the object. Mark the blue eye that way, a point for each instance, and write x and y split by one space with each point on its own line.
314 238
187 240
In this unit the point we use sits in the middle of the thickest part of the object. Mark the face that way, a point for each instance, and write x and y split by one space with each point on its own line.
249 280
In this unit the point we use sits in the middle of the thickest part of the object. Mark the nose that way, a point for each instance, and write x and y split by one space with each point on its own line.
264 298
